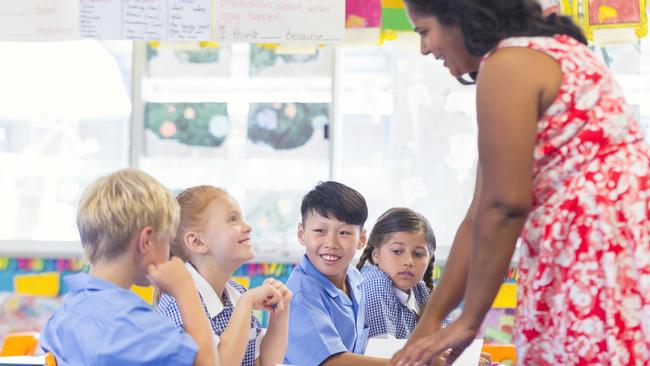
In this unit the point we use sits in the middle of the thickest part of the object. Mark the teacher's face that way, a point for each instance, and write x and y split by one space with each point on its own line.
443 42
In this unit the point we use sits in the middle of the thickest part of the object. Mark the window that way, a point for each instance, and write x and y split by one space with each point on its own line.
266 124
245 118
64 121
408 135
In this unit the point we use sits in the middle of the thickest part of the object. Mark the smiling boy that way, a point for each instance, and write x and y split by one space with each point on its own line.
326 321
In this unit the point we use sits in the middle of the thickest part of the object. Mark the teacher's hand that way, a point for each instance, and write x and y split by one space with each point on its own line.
454 339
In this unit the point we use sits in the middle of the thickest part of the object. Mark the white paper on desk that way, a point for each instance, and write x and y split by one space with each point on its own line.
23 360
386 348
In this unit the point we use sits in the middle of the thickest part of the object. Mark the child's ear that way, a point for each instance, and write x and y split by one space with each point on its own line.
194 244
301 234
362 239
144 239
375 255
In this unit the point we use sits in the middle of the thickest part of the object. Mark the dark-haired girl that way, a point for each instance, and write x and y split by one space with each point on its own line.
563 165
397 268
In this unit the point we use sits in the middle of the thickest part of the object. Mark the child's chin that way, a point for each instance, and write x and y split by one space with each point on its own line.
248 255
329 269
404 285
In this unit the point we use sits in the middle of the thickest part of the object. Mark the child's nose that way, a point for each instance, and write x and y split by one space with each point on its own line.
331 240
407 261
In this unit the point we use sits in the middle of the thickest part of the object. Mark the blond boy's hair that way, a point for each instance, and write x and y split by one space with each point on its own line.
115 207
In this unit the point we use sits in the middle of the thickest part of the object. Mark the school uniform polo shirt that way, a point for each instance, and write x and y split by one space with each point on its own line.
218 313
389 311
323 320
101 324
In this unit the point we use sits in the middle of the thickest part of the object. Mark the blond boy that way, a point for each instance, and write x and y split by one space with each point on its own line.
125 221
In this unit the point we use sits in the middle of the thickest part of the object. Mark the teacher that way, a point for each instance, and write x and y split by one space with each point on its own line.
563 165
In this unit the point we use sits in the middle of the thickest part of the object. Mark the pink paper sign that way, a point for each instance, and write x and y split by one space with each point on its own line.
614 11
362 13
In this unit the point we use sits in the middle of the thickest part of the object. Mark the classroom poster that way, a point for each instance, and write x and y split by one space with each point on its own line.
614 11
189 20
97 19
289 21
144 19
362 13
173 20
393 16
39 20
615 20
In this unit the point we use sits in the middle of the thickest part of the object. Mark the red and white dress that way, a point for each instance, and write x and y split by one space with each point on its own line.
584 270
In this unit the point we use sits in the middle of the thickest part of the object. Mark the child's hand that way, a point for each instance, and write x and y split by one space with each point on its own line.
170 277
284 303
265 297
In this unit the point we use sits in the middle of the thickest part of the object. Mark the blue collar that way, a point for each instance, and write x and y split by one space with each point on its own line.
84 281
353 278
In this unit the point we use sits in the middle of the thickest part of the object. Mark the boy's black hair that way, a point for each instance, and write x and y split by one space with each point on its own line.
335 200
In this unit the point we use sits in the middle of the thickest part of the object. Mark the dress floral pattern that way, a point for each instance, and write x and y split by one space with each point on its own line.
584 271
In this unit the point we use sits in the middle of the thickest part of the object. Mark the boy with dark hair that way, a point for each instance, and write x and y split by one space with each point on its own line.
326 321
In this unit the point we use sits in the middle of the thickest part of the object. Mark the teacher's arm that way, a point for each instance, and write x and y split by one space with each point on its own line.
517 86
512 85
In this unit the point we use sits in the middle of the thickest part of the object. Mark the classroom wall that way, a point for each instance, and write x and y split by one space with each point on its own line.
30 313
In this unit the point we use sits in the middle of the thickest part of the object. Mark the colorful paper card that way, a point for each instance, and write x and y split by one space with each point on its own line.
566 7
362 13
20 344
506 297
244 281
497 336
41 284
615 14
395 20
146 293
395 4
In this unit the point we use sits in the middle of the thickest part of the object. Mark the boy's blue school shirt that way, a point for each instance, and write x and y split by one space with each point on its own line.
323 320
101 323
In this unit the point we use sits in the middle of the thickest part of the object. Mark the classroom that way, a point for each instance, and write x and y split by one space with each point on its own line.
325 182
